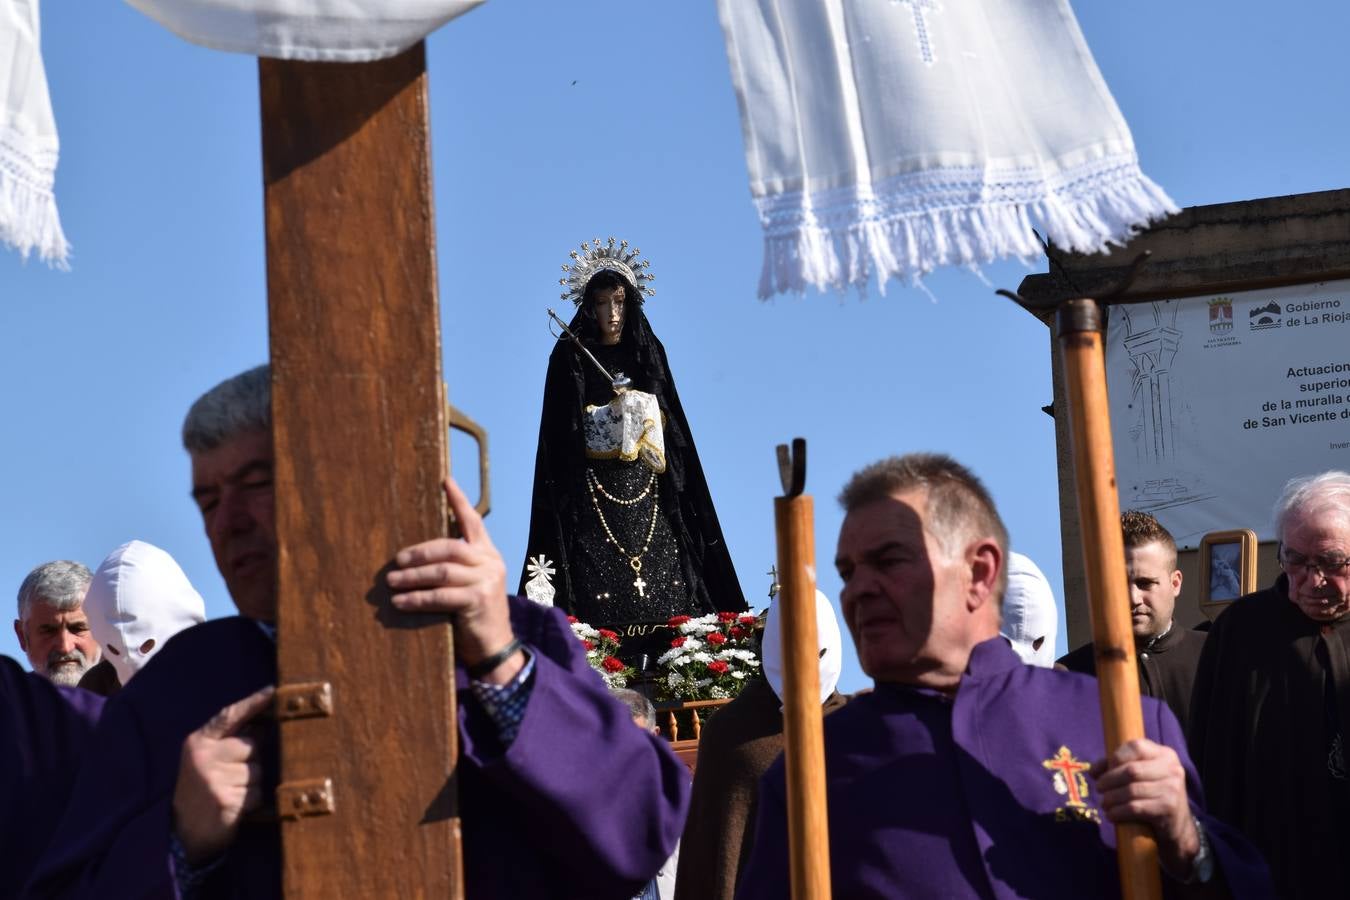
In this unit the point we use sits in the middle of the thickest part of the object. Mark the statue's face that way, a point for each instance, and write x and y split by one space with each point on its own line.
609 313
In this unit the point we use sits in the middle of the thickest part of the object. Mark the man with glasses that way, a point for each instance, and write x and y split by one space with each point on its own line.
1272 698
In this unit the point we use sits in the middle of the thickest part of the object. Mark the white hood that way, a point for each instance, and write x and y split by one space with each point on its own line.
139 596
827 634
1029 612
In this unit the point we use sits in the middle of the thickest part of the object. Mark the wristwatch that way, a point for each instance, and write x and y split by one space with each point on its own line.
1202 867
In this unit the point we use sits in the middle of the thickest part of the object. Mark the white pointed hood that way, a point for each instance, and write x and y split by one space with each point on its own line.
138 599
1029 613
827 635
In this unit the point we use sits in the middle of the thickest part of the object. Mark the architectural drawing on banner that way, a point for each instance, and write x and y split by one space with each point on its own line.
1150 337
1217 401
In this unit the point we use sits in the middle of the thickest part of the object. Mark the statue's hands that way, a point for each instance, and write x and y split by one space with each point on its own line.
465 577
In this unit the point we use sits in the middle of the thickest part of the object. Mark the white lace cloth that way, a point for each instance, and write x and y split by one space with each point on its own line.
313 30
888 137
627 428
28 143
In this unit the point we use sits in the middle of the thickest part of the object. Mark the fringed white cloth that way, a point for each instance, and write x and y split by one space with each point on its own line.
311 30
29 147
889 137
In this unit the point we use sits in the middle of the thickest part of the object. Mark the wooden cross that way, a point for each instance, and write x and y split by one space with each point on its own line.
367 796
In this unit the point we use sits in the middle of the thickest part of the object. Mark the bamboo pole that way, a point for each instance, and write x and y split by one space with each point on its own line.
1080 340
804 744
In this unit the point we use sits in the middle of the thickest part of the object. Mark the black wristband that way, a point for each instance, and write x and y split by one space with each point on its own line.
485 666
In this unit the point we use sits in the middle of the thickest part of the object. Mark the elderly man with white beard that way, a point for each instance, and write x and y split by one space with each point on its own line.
52 628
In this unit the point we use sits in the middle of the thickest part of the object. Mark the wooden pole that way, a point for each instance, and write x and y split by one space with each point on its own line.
803 730
366 696
1080 339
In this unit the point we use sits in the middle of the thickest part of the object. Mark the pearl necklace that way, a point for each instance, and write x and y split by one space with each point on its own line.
593 480
634 560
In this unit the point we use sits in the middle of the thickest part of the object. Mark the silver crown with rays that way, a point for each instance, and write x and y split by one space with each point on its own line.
596 256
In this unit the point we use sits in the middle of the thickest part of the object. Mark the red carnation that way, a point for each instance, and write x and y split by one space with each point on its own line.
717 637
679 641
609 635
589 645
612 664
573 619
748 621
726 617
717 667
737 632
677 620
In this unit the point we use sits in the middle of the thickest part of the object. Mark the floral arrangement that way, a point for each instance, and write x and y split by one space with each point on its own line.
709 658
601 645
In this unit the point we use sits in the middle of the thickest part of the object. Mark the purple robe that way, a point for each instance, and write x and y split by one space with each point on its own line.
44 732
980 796
539 820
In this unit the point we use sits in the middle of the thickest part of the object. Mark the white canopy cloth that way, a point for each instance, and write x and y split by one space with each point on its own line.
889 137
28 144
311 30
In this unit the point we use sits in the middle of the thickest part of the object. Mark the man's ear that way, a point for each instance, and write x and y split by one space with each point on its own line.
18 632
986 561
1176 583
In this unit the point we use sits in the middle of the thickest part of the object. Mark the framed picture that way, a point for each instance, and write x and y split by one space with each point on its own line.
1227 566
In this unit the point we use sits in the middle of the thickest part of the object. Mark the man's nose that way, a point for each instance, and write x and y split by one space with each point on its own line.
69 642
233 516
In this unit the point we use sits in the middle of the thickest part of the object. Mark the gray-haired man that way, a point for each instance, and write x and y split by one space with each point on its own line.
1271 705
180 764
52 628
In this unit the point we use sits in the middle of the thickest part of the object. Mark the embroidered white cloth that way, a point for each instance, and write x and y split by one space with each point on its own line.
888 137
312 30
627 428
28 145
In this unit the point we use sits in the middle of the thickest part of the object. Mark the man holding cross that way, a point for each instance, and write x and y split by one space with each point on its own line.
966 773
187 759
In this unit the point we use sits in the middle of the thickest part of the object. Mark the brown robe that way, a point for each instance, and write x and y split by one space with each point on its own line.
1166 667
735 748
1272 699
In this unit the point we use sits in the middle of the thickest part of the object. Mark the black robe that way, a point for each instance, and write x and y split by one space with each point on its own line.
1166 667
1272 698
687 568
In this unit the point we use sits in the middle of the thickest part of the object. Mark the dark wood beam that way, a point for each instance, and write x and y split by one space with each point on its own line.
1238 246
360 450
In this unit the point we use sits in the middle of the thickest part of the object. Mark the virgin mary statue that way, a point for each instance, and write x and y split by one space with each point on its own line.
622 530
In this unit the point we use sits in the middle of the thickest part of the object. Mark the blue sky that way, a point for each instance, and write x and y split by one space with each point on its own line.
554 123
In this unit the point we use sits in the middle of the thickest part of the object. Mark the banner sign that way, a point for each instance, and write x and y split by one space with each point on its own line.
1217 401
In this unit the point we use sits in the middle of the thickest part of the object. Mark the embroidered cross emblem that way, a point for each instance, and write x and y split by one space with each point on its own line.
1069 779
919 7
